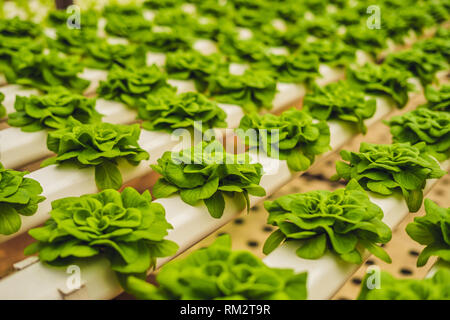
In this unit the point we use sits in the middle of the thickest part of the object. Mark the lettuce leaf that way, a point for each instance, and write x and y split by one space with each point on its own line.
432 231
18 196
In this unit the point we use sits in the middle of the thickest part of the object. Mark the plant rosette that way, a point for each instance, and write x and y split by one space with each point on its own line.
432 231
46 71
292 136
424 125
102 55
206 173
190 110
340 101
100 145
334 53
192 65
384 169
129 85
131 27
219 273
344 221
382 79
434 288
73 41
52 111
253 90
18 196
126 228
166 39
418 63
293 68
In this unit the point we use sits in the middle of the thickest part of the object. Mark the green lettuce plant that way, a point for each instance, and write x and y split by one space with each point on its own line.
438 99
372 41
166 40
240 50
128 85
431 127
253 90
46 71
344 222
205 173
102 55
126 228
332 52
269 35
100 145
52 111
17 34
385 168
253 19
418 63
341 101
168 112
184 65
293 68
290 10
59 18
382 79
159 4
18 196
434 288
432 231
219 273
438 44
131 27
73 41
292 136
319 27
16 27
124 10
174 17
